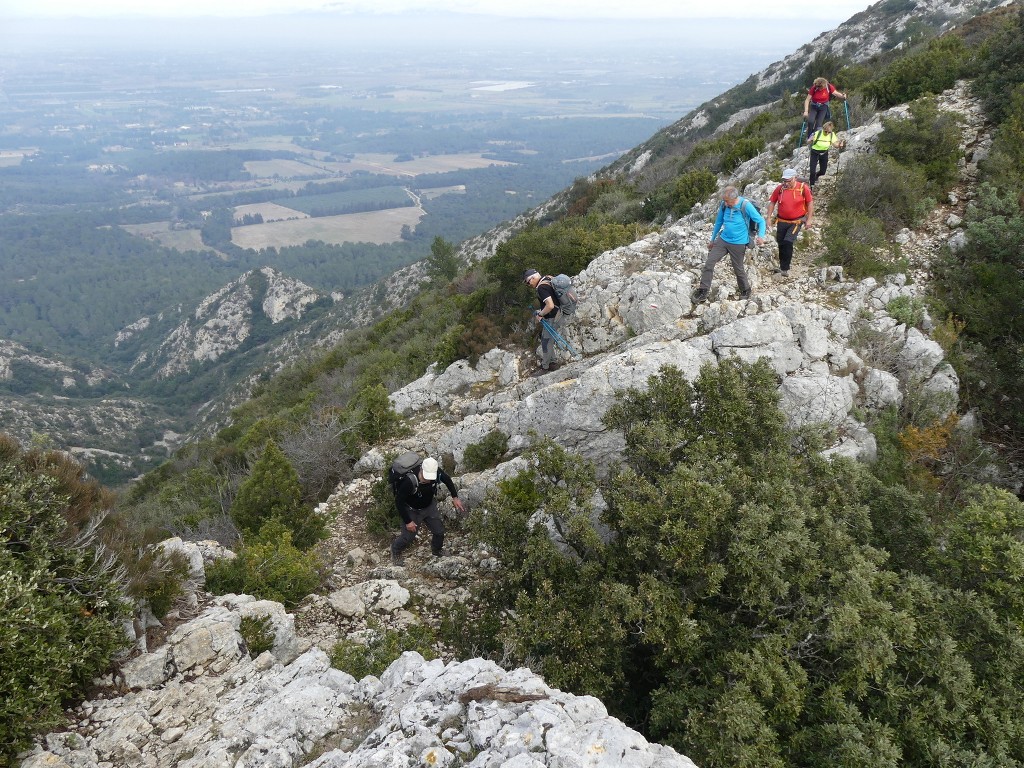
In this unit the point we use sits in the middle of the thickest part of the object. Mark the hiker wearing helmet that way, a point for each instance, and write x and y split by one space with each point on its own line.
416 505
549 311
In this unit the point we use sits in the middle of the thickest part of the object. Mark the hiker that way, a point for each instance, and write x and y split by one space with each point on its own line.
791 206
550 311
416 505
731 234
818 96
821 142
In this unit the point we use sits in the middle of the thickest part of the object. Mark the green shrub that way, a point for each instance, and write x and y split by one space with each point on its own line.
487 453
906 310
931 71
928 140
272 492
161 579
859 244
692 187
882 188
269 567
378 654
1001 67
62 599
737 599
381 516
258 634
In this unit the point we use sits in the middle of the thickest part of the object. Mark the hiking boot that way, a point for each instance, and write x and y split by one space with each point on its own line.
784 273
699 296
397 559
776 271
436 554
744 295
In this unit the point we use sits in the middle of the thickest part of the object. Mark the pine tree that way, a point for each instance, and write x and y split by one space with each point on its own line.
272 492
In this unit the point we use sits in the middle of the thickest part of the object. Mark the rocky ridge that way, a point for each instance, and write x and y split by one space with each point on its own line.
199 700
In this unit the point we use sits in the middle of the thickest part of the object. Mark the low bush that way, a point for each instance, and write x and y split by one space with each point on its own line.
257 632
487 453
907 310
883 189
930 71
927 140
386 645
692 187
62 593
269 567
859 244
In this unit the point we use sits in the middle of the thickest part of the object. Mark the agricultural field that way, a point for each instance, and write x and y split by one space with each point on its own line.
352 201
431 192
283 169
378 227
269 212
161 232
386 164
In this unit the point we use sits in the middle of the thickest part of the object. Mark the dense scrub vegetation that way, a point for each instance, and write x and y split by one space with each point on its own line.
68 576
744 600
981 285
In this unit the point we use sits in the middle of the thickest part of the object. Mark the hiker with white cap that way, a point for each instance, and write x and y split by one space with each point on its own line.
791 207
416 505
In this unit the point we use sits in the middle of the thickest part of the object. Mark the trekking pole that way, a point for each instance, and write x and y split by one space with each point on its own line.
557 338
846 107
800 141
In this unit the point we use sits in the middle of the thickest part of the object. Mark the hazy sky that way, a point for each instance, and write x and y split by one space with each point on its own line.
836 10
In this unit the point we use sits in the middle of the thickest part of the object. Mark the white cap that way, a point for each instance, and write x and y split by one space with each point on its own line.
429 469
789 173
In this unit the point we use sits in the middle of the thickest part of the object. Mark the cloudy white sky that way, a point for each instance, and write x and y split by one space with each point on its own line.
835 10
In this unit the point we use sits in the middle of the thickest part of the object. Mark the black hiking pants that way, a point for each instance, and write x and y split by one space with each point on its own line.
430 517
819 164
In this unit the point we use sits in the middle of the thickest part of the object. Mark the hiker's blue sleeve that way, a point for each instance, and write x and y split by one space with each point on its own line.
718 222
754 214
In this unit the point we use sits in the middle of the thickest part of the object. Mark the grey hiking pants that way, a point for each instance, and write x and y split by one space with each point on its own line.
718 250
547 344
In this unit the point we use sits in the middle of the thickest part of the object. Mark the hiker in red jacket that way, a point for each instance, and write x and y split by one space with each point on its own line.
791 207
818 96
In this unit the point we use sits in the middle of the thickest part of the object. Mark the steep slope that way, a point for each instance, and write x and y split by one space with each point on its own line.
636 316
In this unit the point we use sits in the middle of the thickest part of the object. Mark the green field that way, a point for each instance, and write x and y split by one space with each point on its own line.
349 201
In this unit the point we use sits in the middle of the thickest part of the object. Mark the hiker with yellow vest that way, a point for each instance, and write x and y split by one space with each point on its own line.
821 142
791 207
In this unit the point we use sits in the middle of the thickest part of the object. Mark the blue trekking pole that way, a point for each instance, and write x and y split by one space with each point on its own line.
847 108
557 338
800 141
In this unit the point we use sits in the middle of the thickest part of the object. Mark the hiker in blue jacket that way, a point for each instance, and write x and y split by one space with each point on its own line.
731 234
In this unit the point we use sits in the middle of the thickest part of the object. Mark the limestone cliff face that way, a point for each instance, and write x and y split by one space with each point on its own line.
224 320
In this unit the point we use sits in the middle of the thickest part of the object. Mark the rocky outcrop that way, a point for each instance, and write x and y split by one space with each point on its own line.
224 320
202 701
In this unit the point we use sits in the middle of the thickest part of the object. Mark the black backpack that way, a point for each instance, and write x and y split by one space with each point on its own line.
406 464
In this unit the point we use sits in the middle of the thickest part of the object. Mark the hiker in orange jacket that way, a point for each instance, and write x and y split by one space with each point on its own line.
791 207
